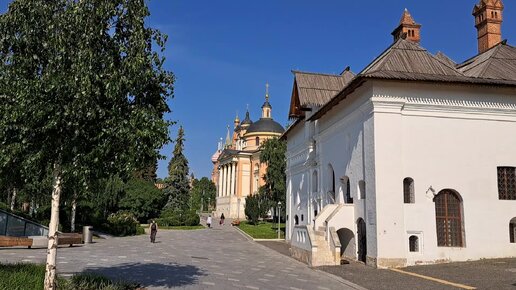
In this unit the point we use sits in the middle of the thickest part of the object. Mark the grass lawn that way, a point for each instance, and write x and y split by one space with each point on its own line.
264 230
31 276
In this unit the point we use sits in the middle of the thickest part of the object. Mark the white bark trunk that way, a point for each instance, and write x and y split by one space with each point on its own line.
50 274
74 210
13 198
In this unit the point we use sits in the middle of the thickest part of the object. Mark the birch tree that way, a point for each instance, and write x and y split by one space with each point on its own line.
83 92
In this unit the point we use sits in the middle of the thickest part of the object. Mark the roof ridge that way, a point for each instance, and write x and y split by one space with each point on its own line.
315 73
380 57
311 88
471 59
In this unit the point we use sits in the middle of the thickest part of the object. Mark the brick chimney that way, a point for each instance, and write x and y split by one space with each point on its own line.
408 28
488 21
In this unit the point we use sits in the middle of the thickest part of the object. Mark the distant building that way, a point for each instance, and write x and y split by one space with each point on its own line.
237 170
411 161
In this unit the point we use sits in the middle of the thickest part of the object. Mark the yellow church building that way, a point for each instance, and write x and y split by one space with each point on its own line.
237 170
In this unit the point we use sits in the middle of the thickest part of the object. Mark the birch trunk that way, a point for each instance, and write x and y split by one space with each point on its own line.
74 210
50 274
13 198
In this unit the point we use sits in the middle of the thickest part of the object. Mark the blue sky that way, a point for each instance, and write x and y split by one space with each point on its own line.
223 52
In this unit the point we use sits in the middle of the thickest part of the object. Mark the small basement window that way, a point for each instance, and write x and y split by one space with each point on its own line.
414 244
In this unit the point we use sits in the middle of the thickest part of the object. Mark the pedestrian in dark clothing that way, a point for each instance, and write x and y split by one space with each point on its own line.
153 231
222 218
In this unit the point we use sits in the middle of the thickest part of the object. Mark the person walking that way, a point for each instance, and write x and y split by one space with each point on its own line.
153 231
222 218
208 221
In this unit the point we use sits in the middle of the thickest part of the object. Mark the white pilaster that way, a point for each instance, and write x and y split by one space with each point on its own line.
233 178
219 184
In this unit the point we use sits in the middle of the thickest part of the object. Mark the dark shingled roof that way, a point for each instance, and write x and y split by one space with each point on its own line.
317 89
498 63
406 60
265 125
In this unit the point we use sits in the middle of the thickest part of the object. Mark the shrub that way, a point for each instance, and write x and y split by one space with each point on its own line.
122 224
254 209
170 217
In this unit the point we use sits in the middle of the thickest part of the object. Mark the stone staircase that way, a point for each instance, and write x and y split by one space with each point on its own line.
324 256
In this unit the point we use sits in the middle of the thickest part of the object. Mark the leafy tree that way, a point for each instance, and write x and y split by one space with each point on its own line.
273 155
142 199
148 173
177 187
203 194
83 92
255 208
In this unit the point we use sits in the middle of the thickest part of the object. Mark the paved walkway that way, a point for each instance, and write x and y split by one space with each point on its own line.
219 258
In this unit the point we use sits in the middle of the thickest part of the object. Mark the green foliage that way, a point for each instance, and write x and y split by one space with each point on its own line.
203 194
21 276
171 217
177 184
254 209
122 224
97 282
273 155
142 199
30 277
263 230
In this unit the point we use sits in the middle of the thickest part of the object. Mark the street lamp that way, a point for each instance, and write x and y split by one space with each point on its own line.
279 219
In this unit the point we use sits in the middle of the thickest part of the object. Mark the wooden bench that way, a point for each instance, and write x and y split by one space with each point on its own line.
69 239
6 241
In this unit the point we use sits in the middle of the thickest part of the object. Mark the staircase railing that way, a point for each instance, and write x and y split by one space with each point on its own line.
17 226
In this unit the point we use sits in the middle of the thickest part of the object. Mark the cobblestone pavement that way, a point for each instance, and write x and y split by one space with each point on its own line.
218 258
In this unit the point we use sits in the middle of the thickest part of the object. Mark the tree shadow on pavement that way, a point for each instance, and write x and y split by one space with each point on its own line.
152 274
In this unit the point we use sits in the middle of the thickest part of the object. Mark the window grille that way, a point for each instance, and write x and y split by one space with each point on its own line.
448 214
507 183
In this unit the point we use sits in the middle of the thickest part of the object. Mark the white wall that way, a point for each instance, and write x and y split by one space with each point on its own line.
443 137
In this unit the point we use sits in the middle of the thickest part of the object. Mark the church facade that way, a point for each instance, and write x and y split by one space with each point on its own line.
412 160
237 170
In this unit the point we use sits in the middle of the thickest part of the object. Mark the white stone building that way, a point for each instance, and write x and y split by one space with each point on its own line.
411 161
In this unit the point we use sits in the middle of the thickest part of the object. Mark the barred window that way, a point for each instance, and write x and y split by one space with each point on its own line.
448 215
507 183
512 230
408 190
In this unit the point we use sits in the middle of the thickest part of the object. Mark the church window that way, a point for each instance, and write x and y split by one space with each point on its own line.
296 219
408 190
362 189
302 217
257 141
448 214
512 230
347 197
331 181
315 182
507 183
414 244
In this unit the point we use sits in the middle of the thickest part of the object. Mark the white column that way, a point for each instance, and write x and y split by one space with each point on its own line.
233 178
226 191
219 184
223 184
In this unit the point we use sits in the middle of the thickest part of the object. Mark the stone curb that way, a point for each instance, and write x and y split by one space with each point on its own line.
329 275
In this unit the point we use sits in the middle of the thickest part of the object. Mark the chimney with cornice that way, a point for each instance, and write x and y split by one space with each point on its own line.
488 21
408 28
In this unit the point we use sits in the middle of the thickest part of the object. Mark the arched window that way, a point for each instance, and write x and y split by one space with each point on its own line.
512 230
257 141
331 181
448 215
408 190
302 217
347 195
362 189
296 220
315 182
414 244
